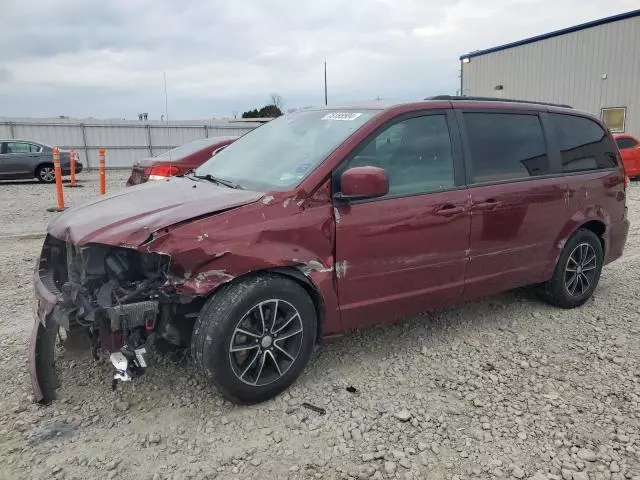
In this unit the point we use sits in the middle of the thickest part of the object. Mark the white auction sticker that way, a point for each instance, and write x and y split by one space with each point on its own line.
345 116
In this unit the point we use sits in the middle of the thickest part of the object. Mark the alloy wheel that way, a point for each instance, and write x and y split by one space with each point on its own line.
47 174
266 342
581 269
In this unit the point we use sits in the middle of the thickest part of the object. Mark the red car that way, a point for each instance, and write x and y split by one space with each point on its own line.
327 220
630 150
177 161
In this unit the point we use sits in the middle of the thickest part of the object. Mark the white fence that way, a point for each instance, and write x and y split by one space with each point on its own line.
126 141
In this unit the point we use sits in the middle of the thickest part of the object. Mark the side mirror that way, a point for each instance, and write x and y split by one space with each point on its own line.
363 182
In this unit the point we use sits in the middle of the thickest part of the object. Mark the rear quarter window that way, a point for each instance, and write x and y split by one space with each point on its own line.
583 144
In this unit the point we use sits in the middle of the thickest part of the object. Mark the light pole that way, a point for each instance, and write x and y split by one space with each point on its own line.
325 82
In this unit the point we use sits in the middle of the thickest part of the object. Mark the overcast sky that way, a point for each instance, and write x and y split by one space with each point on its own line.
106 58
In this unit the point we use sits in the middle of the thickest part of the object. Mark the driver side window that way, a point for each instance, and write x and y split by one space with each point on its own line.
416 153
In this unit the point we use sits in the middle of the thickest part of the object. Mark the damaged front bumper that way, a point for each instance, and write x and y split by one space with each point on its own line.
42 341
110 294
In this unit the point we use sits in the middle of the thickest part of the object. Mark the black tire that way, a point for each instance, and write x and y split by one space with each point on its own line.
45 173
561 290
45 361
237 306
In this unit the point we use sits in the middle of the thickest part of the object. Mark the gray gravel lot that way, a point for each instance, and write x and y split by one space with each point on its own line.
507 387
24 203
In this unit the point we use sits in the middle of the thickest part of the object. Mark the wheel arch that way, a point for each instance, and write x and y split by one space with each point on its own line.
312 290
41 164
597 225
295 274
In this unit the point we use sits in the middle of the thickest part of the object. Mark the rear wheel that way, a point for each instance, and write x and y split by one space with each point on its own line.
46 173
253 338
578 271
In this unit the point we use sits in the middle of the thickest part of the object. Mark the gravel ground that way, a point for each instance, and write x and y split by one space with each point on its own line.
24 203
507 387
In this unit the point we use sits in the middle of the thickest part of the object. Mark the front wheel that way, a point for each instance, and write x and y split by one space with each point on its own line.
578 271
254 337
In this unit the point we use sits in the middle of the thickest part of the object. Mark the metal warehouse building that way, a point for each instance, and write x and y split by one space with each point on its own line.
594 67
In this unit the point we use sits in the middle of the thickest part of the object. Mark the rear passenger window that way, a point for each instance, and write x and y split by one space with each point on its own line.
505 146
626 142
583 144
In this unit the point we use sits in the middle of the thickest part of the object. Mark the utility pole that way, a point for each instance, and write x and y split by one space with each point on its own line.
325 82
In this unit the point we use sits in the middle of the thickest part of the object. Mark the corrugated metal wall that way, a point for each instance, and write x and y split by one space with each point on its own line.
126 141
567 69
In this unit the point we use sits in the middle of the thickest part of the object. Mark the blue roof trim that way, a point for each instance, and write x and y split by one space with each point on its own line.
557 33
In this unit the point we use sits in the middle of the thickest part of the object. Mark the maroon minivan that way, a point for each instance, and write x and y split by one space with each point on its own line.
327 220
177 161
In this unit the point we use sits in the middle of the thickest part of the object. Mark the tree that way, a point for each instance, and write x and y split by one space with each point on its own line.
277 100
251 114
268 111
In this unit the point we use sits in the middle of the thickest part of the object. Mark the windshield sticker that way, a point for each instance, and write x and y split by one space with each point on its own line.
344 116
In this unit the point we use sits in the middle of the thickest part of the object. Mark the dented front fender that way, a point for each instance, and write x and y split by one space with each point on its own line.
212 251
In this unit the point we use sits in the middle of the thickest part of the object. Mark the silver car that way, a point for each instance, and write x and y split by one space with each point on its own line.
25 159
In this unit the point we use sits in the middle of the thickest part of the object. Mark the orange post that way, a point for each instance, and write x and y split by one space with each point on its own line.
101 172
72 154
58 173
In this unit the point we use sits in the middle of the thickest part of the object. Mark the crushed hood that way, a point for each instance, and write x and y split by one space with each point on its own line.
129 216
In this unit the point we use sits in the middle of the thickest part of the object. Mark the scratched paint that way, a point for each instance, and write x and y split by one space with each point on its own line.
314 266
341 269
336 214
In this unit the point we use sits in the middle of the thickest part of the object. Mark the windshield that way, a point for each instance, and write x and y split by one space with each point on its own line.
279 154
188 148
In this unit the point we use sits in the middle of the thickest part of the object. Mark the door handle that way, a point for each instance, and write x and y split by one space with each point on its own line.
449 210
489 204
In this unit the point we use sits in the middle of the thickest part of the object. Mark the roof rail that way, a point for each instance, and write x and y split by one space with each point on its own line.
493 99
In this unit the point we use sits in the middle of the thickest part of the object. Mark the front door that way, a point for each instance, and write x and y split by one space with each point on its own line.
404 253
518 208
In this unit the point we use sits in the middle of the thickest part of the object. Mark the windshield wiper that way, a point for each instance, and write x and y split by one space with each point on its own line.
220 181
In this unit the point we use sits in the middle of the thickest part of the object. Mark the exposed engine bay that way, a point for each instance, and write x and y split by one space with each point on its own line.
116 297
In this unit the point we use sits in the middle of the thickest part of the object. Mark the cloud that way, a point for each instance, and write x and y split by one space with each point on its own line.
5 74
107 59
